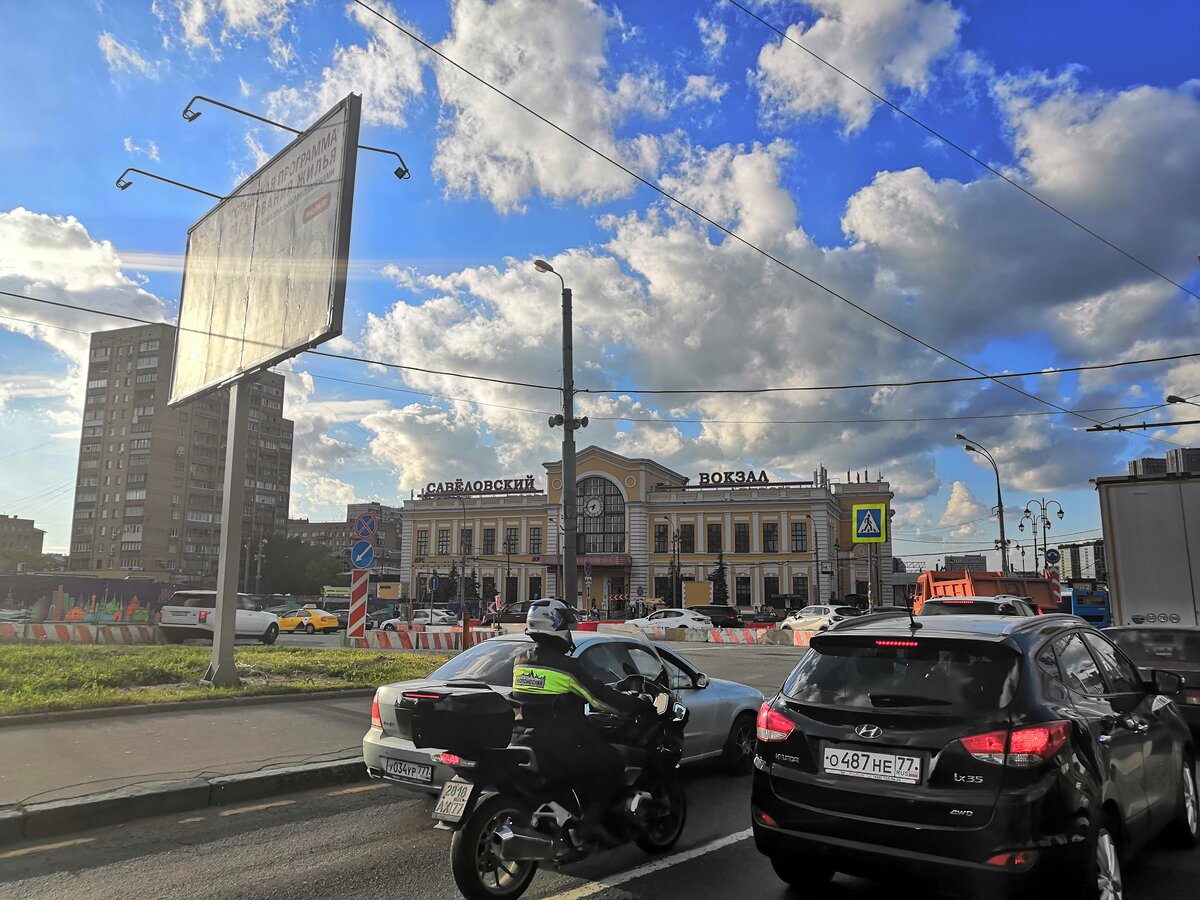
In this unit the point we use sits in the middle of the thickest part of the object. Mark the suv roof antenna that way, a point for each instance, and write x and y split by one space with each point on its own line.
913 624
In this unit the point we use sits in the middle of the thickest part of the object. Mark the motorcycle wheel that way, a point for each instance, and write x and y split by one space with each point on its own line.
664 829
479 874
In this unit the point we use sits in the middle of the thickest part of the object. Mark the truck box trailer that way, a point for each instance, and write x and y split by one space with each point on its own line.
1152 547
985 584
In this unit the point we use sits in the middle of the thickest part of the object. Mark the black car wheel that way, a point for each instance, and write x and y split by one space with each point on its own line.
389 627
738 754
801 871
310 628
270 634
1184 830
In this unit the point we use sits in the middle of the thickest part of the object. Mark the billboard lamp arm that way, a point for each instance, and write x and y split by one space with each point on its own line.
191 115
123 182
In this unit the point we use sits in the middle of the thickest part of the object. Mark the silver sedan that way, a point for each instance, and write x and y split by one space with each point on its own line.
721 722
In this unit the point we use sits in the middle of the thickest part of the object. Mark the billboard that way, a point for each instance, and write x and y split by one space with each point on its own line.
265 271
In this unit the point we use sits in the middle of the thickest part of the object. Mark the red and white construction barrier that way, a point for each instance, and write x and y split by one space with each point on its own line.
77 633
409 640
733 636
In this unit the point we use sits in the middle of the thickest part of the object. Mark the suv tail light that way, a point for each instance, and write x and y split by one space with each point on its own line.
773 725
203 616
376 721
1022 748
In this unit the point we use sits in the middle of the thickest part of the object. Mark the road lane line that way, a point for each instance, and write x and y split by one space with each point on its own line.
191 820
357 790
649 868
42 848
259 808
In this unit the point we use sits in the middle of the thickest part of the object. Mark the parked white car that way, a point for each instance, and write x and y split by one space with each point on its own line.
193 614
421 617
672 618
817 618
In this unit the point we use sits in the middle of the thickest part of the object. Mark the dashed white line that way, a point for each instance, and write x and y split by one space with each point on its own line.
191 820
42 848
649 868
259 808
357 790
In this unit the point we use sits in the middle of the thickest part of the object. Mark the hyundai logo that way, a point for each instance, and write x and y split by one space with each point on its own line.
870 732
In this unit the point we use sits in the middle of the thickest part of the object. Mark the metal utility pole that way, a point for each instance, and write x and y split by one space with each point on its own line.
507 567
976 447
1042 518
569 423
262 548
462 575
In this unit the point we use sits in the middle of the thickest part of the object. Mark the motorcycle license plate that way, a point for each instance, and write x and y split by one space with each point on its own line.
452 804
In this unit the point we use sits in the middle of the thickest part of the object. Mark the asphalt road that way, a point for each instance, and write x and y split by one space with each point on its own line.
377 841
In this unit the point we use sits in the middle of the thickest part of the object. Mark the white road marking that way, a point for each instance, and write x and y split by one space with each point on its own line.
259 808
357 790
191 820
42 848
649 868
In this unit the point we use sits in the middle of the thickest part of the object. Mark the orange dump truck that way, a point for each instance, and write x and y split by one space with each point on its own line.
984 584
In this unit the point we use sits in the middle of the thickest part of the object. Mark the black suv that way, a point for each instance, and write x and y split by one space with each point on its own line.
721 616
994 754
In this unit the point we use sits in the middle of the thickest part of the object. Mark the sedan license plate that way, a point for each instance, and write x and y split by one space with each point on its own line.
410 771
452 804
871 764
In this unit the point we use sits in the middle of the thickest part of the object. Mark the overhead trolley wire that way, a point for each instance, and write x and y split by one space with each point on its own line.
963 150
723 228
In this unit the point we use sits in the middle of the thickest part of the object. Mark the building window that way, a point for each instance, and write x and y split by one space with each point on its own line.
511 544
660 538
489 585
713 541
603 532
771 538
741 537
466 537
146 377
422 542
662 587
687 538
770 589
742 589
147 346
535 587
800 588
489 541
535 549
799 537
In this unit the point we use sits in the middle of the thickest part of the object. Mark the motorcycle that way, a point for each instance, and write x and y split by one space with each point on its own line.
508 818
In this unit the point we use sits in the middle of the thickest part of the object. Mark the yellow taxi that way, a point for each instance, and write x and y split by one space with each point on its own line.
309 619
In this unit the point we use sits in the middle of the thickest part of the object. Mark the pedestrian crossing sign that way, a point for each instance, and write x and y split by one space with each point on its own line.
870 523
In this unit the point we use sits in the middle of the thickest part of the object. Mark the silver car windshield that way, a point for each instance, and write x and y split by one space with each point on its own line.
490 662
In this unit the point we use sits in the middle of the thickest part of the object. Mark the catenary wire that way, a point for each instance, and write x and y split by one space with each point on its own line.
964 151
730 232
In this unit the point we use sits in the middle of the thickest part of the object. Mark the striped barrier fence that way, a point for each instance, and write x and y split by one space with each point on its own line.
733 636
77 633
408 640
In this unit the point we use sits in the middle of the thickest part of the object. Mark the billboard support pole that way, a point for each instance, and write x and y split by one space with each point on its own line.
222 671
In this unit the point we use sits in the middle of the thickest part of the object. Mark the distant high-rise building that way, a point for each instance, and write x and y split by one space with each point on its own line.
1083 561
1148 465
1184 459
966 562
151 477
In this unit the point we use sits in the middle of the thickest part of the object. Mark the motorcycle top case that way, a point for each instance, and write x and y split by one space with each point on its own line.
462 719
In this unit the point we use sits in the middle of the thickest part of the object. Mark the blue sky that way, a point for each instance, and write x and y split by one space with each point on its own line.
1094 109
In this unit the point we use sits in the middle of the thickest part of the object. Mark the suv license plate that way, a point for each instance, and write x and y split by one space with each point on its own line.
452 804
399 768
869 764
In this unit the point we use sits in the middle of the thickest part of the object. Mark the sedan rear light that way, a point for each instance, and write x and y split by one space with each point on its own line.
419 695
897 643
773 725
1022 748
376 721
203 616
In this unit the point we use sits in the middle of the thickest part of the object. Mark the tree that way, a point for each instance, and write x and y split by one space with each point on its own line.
27 561
447 589
717 577
291 566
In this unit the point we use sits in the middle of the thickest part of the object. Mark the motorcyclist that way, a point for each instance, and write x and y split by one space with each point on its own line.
550 689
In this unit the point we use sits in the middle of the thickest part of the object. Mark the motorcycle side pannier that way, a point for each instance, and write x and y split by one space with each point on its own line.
459 719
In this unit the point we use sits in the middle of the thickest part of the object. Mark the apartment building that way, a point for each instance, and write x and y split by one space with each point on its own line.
150 478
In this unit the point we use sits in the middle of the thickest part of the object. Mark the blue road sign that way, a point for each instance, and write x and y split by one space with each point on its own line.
362 555
1053 556
366 525
641 591
434 581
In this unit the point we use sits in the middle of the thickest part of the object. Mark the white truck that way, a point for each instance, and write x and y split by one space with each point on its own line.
1152 547
193 614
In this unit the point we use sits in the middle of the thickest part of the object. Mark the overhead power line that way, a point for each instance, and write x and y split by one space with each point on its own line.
963 150
723 228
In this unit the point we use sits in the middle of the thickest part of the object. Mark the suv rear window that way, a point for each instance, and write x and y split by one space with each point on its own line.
935 676
197 602
964 608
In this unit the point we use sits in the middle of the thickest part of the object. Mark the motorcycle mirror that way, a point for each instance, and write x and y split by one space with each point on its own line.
701 681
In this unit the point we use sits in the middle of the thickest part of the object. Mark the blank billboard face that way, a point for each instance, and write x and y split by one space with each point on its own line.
265 274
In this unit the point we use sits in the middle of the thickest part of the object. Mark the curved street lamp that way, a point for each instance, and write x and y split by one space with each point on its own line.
1042 517
976 447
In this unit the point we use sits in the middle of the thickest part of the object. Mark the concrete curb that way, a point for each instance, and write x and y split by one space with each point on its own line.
112 712
57 817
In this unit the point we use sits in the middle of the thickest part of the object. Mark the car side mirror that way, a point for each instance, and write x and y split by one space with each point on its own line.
701 681
1167 683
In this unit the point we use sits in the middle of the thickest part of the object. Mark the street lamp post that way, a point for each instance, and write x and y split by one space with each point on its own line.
262 548
462 575
1042 517
675 573
976 447
569 423
1172 398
